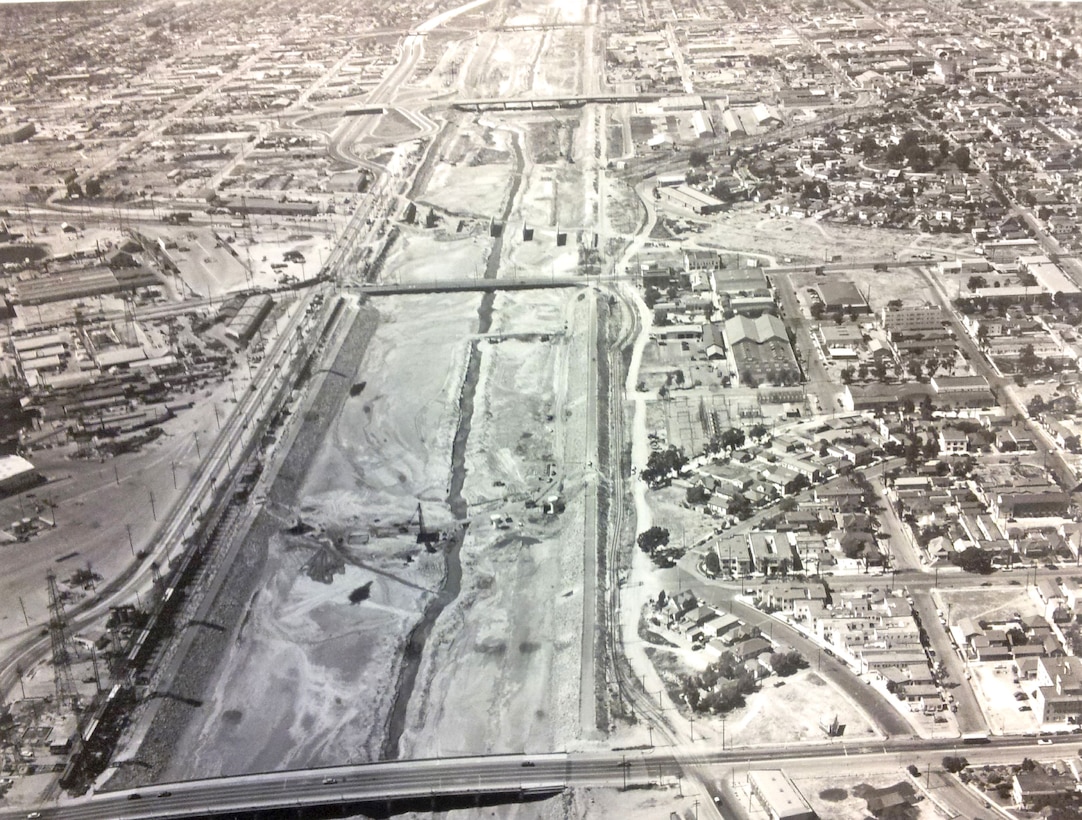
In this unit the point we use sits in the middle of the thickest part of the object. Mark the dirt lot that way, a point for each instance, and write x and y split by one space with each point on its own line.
905 284
992 603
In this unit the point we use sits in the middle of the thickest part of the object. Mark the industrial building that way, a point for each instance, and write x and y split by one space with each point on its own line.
19 132
243 326
779 796
79 284
16 473
761 351
272 207
684 196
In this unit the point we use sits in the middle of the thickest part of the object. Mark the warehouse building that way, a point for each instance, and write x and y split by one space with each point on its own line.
16 473
243 326
684 196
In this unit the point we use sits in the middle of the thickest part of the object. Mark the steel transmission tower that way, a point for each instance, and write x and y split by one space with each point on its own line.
61 646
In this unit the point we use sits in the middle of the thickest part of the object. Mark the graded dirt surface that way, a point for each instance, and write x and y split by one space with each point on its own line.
502 673
428 258
751 231
322 667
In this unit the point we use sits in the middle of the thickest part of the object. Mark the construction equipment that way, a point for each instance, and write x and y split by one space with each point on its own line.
425 536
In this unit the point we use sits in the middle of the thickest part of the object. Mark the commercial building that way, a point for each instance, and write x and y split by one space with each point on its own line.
842 295
771 551
1059 689
779 796
912 318
1048 274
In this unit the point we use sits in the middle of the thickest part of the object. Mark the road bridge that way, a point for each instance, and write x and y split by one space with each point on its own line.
533 103
468 285
398 785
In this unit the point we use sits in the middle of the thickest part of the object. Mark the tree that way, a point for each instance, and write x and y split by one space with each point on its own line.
962 158
926 408
662 464
697 494
868 145
739 506
962 467
954 763
732 439
1035 407
1028 361
973 560
787 663
698 158
931 447
712 564
758 430
847 375
651 540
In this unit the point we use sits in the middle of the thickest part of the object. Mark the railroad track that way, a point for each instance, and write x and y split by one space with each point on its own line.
628 686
